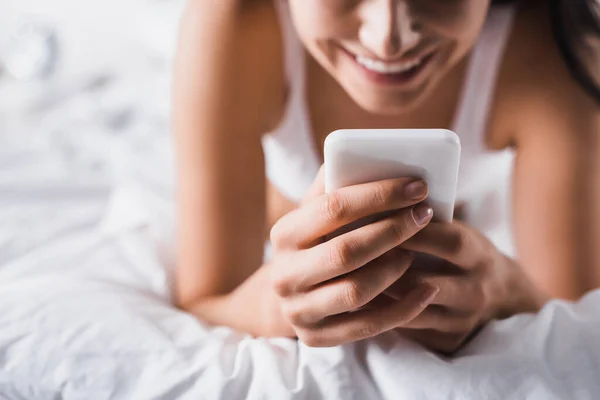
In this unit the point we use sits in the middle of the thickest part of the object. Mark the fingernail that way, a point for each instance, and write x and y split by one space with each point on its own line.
415 190
422 214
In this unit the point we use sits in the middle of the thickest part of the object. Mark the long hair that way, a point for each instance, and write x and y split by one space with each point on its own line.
576 29
576 26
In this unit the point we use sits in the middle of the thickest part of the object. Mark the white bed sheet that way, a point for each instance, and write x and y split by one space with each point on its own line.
85 313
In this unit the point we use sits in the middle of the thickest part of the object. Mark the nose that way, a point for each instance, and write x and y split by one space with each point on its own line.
387 28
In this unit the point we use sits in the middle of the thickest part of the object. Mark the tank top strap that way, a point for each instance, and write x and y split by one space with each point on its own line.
483 69
291 159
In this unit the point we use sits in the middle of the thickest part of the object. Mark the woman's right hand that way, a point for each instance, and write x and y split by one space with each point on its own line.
323 285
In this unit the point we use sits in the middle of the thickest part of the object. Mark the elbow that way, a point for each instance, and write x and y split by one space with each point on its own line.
186 305
186 299
192 300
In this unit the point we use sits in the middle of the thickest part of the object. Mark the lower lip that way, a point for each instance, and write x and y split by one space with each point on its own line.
400 79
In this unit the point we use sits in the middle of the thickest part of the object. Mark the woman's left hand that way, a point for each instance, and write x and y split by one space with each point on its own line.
477 284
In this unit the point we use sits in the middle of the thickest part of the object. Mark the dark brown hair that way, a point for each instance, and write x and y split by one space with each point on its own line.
576 27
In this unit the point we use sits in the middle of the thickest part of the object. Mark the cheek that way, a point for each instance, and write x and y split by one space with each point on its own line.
318 20
456 20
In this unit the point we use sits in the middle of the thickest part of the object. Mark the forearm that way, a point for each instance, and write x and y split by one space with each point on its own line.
252 308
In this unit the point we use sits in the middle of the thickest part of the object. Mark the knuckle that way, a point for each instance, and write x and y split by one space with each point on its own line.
487 301
293 313
280 284
457 242
311 338
352 296
480 295
277 235
333 208
398 227
367 330
488 257
382 193
340 255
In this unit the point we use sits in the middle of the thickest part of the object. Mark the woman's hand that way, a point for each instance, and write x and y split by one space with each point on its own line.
476 284
323 285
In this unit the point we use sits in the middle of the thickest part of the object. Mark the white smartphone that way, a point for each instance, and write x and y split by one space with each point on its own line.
355 156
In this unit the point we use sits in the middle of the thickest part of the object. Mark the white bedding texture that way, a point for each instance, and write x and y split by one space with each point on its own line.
86 254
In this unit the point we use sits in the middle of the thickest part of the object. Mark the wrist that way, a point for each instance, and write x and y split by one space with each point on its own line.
252 308
255 308
520 294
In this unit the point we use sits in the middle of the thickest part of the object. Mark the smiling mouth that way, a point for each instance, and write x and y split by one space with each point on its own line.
399 72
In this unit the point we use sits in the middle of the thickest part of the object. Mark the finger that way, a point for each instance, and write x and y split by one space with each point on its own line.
443 320
460 293
350 251
463 294
324 215
317 188
380 301
350 327
350 292
454 242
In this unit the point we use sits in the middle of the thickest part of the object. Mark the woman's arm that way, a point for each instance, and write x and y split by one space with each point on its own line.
557 176
228 91
556 199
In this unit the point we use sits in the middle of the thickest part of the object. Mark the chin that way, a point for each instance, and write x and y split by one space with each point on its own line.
389 102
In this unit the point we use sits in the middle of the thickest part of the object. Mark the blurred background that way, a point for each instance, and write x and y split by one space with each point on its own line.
73 72
84 110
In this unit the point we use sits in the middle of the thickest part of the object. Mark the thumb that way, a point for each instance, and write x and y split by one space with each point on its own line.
317 188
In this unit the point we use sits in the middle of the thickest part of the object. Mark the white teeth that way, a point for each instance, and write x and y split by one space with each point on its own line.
387 68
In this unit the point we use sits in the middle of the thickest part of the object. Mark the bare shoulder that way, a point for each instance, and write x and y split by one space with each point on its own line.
234 46
536 91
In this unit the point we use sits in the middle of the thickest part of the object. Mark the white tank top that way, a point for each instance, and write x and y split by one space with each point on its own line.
485 177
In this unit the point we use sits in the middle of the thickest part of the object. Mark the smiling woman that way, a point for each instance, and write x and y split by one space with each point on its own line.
405 48
260 84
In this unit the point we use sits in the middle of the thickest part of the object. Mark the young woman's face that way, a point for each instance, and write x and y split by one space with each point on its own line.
388 54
